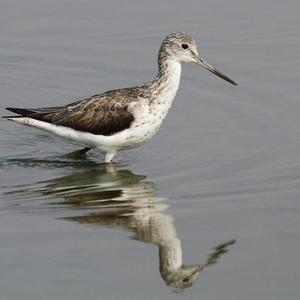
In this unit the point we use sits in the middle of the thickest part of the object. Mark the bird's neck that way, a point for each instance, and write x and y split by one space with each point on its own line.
167 80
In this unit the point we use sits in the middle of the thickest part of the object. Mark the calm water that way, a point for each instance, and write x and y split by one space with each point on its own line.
209 209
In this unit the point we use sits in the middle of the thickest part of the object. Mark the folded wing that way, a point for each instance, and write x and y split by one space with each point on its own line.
103 114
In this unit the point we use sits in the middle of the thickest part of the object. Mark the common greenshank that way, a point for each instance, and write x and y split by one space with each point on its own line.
124 118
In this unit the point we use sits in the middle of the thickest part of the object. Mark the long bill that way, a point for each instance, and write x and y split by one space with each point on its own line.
210 68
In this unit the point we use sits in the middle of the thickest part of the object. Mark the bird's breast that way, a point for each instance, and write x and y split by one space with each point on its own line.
148 121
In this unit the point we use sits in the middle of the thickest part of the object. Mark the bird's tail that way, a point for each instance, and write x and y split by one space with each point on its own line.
41 114
22 112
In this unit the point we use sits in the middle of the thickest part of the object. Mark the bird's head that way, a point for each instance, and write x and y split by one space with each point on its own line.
184 277
183 48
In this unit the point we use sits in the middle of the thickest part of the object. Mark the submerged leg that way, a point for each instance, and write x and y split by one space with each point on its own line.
109 156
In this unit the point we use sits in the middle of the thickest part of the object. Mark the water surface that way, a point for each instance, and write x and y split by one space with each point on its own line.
209 208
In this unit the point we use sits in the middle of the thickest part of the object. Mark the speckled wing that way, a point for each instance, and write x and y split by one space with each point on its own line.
103 114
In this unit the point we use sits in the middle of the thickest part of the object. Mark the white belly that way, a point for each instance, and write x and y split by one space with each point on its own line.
146 124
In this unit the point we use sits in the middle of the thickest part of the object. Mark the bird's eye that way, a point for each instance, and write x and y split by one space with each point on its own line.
184 46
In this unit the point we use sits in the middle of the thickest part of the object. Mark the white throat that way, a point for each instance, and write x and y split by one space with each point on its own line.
168 80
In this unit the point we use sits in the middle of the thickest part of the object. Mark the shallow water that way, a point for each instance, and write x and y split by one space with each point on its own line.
209 208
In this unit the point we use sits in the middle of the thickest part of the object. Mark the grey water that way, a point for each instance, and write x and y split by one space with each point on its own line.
208 209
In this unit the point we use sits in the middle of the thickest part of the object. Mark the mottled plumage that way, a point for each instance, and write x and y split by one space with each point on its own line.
124 118
103 114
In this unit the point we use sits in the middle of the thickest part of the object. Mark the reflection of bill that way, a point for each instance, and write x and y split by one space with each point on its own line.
125 200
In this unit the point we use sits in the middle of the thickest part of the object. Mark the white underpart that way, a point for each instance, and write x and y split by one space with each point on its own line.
148 118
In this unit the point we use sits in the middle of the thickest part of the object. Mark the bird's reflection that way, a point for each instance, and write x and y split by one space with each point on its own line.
119 198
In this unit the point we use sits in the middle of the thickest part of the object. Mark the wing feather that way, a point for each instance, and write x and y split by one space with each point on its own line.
103 114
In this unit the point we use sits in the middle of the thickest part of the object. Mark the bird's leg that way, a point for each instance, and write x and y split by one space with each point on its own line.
109 156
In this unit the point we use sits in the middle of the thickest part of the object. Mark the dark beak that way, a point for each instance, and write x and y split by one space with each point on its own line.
207 66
